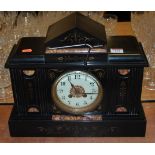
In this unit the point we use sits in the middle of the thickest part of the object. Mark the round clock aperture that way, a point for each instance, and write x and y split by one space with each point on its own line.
77 92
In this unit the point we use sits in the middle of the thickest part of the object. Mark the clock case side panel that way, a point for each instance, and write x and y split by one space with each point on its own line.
123 91
30 92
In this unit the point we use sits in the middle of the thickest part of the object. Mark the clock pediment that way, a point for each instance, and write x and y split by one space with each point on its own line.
75 29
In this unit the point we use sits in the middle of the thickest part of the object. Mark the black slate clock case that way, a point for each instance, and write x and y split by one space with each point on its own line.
117 62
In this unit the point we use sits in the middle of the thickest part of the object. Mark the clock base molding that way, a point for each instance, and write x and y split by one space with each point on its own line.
38 127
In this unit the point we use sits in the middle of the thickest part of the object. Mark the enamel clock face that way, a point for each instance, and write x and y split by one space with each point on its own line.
77 92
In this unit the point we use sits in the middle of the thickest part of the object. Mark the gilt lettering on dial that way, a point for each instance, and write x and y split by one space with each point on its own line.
77 92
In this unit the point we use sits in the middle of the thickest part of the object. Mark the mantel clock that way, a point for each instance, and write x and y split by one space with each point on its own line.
74 82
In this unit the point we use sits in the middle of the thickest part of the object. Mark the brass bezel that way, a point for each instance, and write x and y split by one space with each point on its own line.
72 110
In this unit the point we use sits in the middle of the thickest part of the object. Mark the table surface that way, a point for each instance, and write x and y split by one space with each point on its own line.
123 28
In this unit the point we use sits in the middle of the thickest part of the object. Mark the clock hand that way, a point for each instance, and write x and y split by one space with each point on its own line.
73 86
85 94
90 93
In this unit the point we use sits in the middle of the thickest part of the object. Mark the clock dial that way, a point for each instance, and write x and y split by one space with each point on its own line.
77 92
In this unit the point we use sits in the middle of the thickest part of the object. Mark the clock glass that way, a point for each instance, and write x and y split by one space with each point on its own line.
77 92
